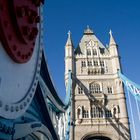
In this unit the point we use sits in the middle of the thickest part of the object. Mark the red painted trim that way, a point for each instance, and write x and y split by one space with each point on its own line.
18 27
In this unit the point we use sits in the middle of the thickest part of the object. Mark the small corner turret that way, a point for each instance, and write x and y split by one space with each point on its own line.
69 56
88 31
112 41
69 49
113 45
113 49
69 40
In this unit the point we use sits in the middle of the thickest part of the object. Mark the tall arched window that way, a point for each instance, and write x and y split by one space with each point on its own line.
80 90
96 112
88 52
94 88
108 113
102 63
95 63
109 89
85 114
89 63
79 113
83 64
94 52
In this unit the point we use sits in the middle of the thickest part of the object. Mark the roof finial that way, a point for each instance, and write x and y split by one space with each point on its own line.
110 32
69 40
88 31
112 41
69 34
88 27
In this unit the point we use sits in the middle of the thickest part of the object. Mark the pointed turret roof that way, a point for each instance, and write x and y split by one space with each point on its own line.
69 40
112 41
88 31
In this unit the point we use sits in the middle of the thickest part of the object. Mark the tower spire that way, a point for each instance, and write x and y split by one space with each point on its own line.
69 40
88 31
112 41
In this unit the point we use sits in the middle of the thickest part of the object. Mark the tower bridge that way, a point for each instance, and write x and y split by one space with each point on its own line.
30 108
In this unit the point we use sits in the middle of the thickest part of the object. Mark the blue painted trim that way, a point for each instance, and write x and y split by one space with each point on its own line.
131 86
36 125
53 107
68 94
68 124
68 104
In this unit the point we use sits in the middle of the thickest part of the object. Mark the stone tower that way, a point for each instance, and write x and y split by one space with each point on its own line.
98 98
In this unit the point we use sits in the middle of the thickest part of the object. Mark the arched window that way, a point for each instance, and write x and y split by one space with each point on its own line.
88 52
79 113
94 52
102 63
96 112
102 70
109 89
85 113
90 72
90 63
95 63
94 88
83 64
80 90
108 113
100 115
93 113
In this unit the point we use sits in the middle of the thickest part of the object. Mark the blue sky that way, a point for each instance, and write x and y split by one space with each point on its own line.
121 16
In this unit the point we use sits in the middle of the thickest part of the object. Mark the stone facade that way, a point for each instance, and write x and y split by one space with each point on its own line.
98 98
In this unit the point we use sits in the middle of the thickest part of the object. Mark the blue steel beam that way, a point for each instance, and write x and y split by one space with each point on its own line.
131 86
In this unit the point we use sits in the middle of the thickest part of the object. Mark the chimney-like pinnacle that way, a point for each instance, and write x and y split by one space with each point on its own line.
69 40
112 41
